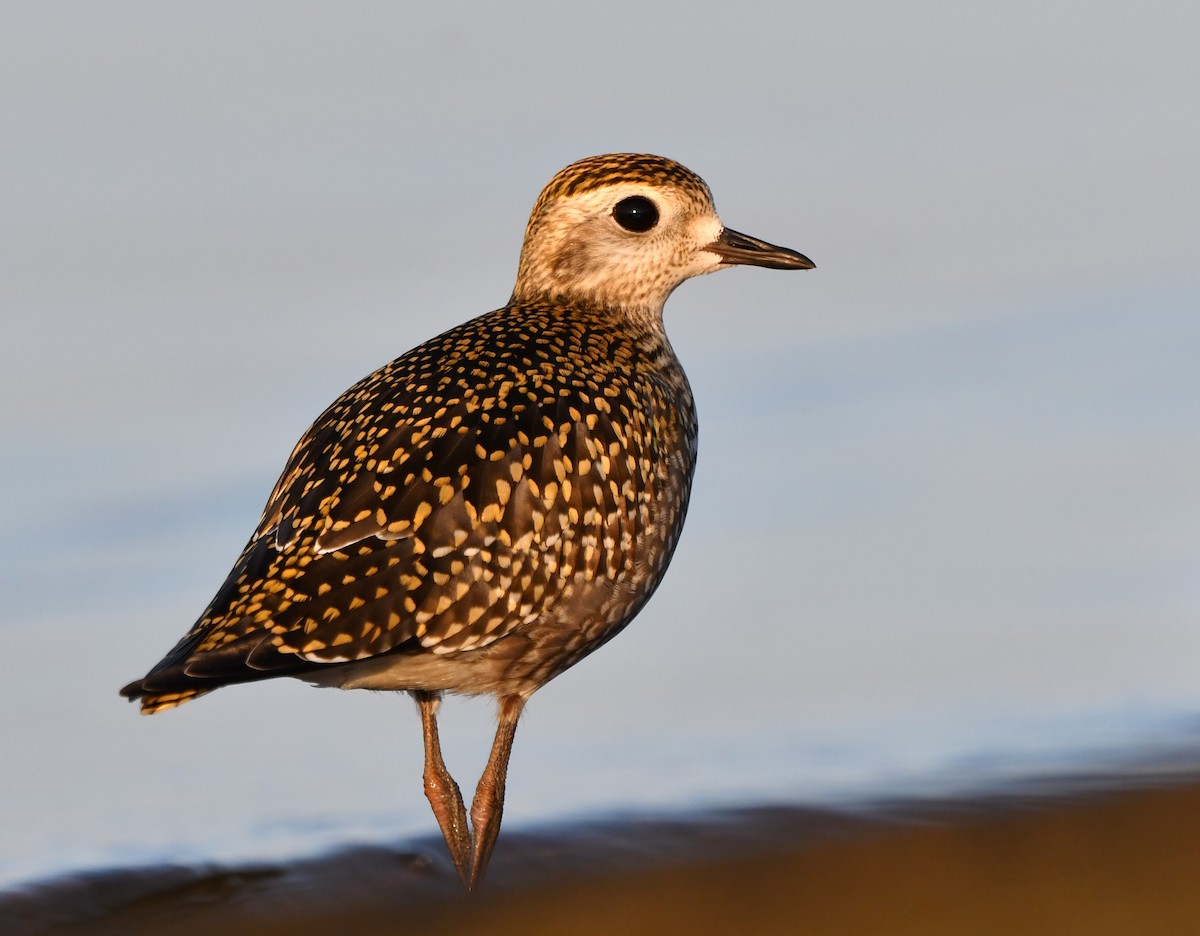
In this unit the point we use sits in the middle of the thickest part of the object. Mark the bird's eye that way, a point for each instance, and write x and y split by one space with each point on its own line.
636 213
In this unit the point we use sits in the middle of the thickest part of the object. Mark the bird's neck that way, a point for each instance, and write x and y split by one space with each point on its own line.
607 311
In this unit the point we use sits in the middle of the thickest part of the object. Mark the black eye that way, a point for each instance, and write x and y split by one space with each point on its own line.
636 213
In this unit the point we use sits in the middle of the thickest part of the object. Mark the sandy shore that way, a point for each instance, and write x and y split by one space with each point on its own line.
1109 862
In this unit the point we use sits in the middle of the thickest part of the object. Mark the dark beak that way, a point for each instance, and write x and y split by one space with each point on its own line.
733 247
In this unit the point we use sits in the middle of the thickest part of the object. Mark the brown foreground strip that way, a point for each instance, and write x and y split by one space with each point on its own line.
1117 862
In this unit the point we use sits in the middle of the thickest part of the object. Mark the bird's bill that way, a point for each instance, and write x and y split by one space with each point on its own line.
734 247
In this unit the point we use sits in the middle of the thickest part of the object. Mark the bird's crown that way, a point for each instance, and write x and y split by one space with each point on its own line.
614 168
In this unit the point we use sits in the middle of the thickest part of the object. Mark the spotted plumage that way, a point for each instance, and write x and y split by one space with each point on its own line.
488 508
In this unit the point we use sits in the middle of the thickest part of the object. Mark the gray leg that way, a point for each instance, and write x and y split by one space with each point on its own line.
441 790
488 805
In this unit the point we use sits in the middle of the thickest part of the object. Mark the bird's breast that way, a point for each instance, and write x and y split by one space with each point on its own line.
522 477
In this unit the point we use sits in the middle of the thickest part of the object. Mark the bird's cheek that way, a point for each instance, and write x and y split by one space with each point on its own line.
572 260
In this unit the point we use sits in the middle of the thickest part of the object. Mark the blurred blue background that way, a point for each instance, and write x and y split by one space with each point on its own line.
946 526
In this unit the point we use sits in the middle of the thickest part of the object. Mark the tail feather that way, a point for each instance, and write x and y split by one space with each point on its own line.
153 702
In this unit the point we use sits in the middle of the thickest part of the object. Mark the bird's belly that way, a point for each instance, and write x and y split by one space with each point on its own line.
590 595
587 615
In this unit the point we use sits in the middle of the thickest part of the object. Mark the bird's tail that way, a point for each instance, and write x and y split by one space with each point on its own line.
153 702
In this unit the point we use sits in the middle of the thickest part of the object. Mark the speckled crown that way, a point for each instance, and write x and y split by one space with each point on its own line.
614 168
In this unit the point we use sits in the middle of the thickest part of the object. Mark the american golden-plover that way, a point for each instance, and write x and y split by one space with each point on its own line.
489 508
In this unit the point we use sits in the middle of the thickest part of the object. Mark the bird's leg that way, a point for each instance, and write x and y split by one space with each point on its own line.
488 806
441 790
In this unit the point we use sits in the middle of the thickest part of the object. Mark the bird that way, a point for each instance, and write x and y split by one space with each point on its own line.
487 509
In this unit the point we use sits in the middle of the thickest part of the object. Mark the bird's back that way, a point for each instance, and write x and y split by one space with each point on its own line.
474 516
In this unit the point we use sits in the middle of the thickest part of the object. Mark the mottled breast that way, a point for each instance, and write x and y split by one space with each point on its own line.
474 486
